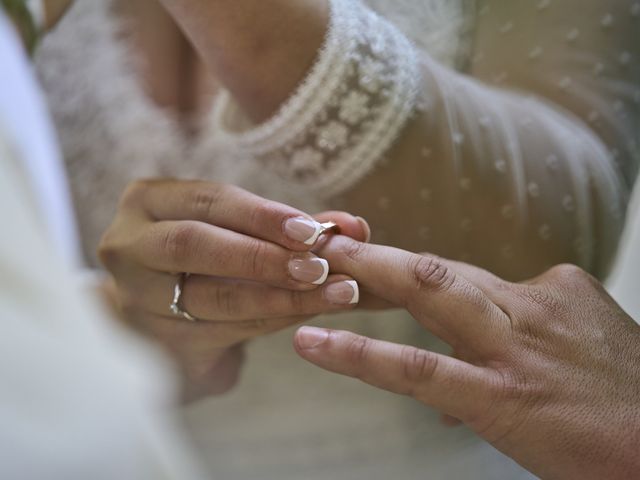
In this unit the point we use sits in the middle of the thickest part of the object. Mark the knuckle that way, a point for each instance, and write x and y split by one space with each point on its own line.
135 192
107 255
255 258
265 213
539 315
568 274
509 385
520 388
290 303
353 250
205 200
226 302
550 292
298 303
505 398
563 288
109 251
431 274
543 298
358 349
418 365
178 241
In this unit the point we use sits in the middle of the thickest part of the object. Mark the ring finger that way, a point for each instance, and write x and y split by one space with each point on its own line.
217 299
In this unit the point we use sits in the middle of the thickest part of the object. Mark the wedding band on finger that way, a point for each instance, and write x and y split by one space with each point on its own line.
329 226
176 306
321 229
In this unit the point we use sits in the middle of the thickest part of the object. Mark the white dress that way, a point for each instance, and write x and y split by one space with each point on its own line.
80 398
501 133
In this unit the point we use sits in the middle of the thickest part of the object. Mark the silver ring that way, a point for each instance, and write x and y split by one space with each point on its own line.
176 306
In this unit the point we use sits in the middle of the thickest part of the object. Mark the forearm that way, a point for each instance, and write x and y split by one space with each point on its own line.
259 50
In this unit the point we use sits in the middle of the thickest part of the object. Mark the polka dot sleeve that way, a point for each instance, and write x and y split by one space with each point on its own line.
527 159
522 160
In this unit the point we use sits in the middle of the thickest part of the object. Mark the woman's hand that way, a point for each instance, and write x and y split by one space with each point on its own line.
250 265
548 371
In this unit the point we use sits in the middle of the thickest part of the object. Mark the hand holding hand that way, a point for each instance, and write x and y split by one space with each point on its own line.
251 272
548 371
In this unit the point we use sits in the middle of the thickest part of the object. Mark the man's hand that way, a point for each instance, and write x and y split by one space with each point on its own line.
548 371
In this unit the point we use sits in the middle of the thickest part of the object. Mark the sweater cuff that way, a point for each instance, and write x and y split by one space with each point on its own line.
346 113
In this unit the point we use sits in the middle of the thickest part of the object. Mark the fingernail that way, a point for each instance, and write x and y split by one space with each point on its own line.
302 230
311 337
343 293
366 228
311 269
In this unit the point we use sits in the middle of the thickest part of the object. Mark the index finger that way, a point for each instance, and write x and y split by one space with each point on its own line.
231 208
444 301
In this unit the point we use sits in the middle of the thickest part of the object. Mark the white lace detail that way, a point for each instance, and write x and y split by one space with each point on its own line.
347 112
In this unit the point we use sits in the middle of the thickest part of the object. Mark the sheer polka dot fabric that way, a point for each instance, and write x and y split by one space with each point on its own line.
521 158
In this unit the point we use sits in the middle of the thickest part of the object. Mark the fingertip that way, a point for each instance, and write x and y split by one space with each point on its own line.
343 293
366 229
309 338
302 231
325 272
307 271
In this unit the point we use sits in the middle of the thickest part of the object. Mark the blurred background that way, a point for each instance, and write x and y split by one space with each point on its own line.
624 282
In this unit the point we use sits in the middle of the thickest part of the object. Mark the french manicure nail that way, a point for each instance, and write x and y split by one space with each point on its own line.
311 337
343 293
302 230
311 269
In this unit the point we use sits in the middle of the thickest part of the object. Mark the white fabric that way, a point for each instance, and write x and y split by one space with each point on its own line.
519 152
23 116
347 113
625 278
79 398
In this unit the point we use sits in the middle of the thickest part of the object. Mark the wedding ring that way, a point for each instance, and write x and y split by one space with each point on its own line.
176 306
329 226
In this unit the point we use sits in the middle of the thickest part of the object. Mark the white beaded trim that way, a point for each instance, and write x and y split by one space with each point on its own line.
331 132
